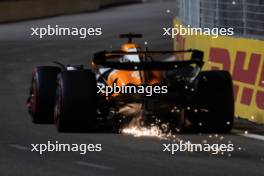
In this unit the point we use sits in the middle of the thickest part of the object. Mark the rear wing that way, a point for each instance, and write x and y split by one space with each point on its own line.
104 58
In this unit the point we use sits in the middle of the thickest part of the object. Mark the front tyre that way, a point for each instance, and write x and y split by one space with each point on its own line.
42 94
76 101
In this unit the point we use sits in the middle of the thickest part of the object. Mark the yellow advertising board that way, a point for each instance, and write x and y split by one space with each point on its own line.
243 58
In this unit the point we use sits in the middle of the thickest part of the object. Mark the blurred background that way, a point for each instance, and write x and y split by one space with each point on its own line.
241 54
245 16
125 154
13 10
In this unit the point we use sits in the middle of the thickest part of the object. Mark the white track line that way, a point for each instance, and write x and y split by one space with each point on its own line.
82 163
19 147
253 136
249 135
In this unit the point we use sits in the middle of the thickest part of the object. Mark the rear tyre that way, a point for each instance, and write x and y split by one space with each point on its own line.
76 101
42 94
216 102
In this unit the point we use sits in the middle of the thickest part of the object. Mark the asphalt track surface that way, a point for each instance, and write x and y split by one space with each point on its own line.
122 154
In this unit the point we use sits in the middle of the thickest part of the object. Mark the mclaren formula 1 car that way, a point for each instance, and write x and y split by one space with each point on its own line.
160 91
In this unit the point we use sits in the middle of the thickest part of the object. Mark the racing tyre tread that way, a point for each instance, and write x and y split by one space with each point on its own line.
215 93
76 101
42 94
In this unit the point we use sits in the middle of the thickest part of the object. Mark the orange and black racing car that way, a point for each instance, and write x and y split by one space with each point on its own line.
133 83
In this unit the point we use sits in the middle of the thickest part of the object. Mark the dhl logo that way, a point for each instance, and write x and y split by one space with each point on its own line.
243 58
248 74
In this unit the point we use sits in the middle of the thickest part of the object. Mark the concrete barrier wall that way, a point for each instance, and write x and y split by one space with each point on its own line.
243 58
15 10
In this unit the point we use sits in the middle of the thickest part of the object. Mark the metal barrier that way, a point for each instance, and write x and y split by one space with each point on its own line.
245 16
